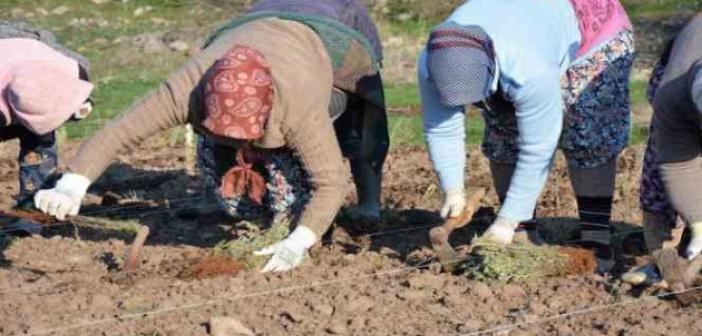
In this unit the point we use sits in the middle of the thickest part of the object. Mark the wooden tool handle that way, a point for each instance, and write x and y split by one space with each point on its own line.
132 263
472 204
692 271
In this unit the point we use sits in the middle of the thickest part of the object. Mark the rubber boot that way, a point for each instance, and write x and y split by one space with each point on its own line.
368 188
528 233
594 189
362 133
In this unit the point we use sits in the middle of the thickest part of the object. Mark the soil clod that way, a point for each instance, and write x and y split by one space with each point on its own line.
228 326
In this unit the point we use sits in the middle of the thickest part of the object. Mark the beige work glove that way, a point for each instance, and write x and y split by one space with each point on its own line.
454 203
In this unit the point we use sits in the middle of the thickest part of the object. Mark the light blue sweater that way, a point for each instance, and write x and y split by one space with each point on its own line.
535 42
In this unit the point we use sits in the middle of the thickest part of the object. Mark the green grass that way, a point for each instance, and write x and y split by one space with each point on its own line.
121 71
404 95
417 28
657 8
406 128
111 99
637 92
405 131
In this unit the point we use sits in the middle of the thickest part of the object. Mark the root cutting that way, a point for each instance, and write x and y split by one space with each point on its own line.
490 260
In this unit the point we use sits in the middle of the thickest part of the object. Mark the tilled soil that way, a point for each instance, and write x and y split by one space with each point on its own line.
378 282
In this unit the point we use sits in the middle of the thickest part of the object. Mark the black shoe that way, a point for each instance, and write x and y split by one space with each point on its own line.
528 233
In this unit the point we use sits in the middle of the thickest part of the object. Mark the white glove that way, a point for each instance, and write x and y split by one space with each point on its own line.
501 231
695 246
289 252
65 198
454 203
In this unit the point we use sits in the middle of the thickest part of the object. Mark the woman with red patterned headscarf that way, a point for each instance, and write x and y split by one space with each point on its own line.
269 95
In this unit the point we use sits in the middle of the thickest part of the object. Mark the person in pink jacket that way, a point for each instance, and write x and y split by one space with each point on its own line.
40 89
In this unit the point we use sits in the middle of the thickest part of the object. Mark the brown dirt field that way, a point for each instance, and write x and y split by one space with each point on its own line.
215 266
383 283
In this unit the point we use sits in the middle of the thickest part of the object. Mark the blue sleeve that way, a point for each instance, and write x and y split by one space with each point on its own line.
444 129
539 108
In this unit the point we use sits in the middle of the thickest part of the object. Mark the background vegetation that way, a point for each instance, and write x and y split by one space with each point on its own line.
133 45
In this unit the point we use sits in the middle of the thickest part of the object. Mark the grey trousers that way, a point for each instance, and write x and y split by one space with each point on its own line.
587 182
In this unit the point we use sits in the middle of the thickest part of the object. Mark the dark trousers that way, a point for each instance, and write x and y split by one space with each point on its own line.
37 160
362 131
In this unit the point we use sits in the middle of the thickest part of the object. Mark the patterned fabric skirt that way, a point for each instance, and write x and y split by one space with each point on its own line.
653 197
287 185
597 113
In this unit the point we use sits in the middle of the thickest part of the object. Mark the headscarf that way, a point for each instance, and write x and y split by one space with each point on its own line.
238 100
461 63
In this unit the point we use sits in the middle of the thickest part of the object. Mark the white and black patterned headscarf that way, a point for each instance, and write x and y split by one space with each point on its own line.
461 63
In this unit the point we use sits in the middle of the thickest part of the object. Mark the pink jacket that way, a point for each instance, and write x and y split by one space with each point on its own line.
39 87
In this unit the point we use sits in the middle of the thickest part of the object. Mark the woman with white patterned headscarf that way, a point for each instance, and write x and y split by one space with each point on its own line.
546 74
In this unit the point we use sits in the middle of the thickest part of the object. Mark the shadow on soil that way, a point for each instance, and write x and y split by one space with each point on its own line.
160 200
179 216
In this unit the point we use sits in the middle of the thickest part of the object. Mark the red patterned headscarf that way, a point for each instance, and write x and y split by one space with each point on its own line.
238 99
239 95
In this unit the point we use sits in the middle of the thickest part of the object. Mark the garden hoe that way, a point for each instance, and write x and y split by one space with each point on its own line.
679 276
448 257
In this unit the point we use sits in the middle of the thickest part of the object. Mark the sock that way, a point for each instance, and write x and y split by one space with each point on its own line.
595 213
695 246
595 226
